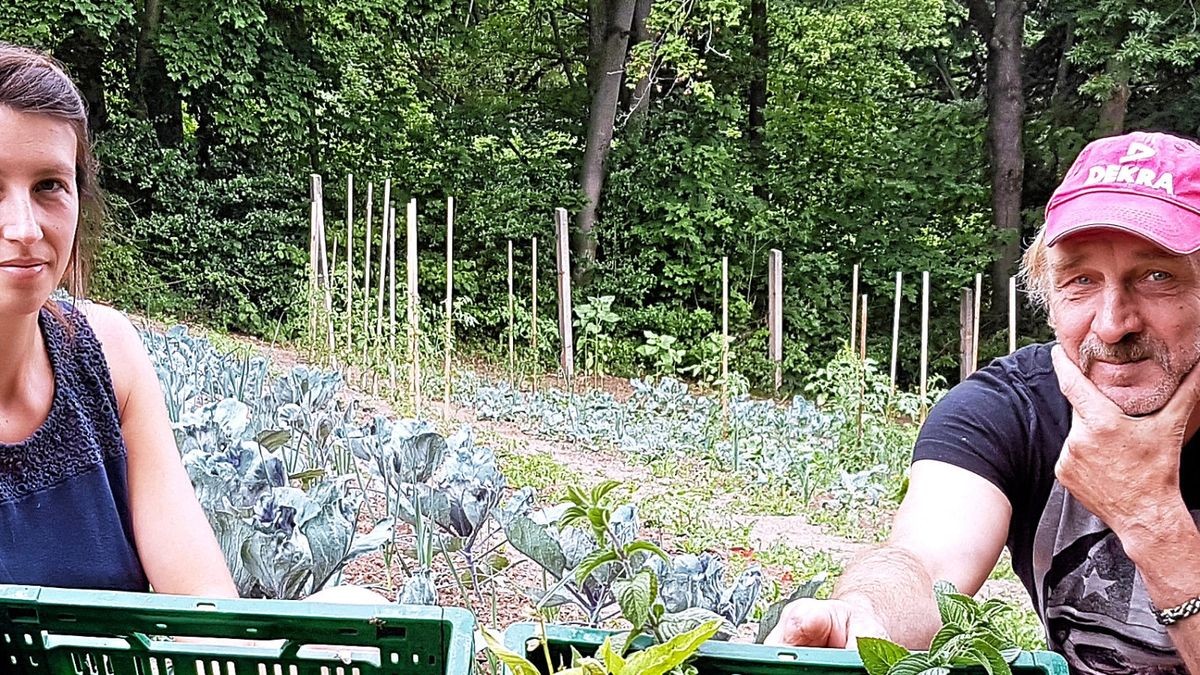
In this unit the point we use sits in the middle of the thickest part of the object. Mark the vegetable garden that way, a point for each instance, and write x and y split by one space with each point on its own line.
310 483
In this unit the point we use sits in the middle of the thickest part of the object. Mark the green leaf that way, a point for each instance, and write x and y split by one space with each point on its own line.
601 491
913 664
879 655
992 655
635 596
611 657
591 562
518 664
642 545
535 542
659 659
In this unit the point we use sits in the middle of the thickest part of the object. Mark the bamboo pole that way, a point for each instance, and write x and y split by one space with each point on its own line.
896 328
349 265
975 324
446 374
924 340
775 315
1012 314
414 351
853 307
367 274
565 329
513 322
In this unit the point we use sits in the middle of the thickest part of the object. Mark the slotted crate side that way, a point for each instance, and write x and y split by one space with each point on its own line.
60 632
728 658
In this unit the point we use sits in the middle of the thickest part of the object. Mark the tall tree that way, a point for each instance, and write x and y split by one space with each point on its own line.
1001 25
608 41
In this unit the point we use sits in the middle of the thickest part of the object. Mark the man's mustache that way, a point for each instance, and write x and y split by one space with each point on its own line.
1131 348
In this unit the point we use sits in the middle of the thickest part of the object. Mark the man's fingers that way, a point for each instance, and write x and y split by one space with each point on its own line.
1185 398
1085 398
806 623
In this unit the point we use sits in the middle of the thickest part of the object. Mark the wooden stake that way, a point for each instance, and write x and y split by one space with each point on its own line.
862 359
853 307
323 253
896 328
446 374
1012 314
862 334
924 340
414 350
512 319
533 327
975 325
384 231
724 340
314 187
775 314
966 328
367 274
565 328
392 298
349 265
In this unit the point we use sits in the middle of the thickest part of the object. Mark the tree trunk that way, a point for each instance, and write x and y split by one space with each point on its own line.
1003 31
156 96
757 95
1112 111
637 101
607 74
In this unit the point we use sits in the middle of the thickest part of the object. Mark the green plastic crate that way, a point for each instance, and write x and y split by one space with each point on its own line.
728 658
50 631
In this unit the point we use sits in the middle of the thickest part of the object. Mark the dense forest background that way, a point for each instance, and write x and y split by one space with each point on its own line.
905 135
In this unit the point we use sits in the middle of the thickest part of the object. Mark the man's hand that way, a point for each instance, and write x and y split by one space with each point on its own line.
1123 469
824 623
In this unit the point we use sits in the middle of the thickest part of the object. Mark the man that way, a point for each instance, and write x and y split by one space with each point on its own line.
1080 456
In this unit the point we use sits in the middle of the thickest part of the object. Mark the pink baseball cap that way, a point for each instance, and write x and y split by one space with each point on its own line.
1146 184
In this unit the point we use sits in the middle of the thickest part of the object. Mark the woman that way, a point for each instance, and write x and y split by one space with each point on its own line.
92 490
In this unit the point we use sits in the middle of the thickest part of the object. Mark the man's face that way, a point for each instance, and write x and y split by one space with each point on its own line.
1128 312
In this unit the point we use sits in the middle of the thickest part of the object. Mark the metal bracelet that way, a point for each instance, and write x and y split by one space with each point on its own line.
1172 615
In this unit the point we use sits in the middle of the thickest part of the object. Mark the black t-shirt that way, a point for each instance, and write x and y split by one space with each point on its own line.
1007 423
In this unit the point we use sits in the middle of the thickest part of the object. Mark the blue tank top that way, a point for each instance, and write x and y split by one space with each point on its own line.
64 497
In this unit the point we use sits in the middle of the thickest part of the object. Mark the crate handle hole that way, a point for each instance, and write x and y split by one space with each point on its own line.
785 656
252 630
391 631
206 606
23 615
348 631
69 618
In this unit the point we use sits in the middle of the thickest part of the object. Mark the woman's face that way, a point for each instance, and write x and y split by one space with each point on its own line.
39 207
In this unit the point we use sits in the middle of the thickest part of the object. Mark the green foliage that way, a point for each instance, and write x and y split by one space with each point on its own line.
969 636
595 320
662 354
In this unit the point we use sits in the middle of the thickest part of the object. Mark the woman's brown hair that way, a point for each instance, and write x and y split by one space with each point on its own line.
32 82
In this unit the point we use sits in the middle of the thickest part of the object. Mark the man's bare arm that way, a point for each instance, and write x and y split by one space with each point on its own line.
952 526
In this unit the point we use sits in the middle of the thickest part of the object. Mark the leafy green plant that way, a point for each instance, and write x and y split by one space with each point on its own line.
661 352
970 637
705 360
595 320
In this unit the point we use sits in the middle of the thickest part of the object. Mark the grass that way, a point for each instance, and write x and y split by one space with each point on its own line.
543 473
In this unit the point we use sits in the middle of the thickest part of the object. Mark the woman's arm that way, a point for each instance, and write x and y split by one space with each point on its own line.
177 547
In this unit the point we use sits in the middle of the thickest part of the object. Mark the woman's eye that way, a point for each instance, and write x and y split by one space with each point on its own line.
1159 276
